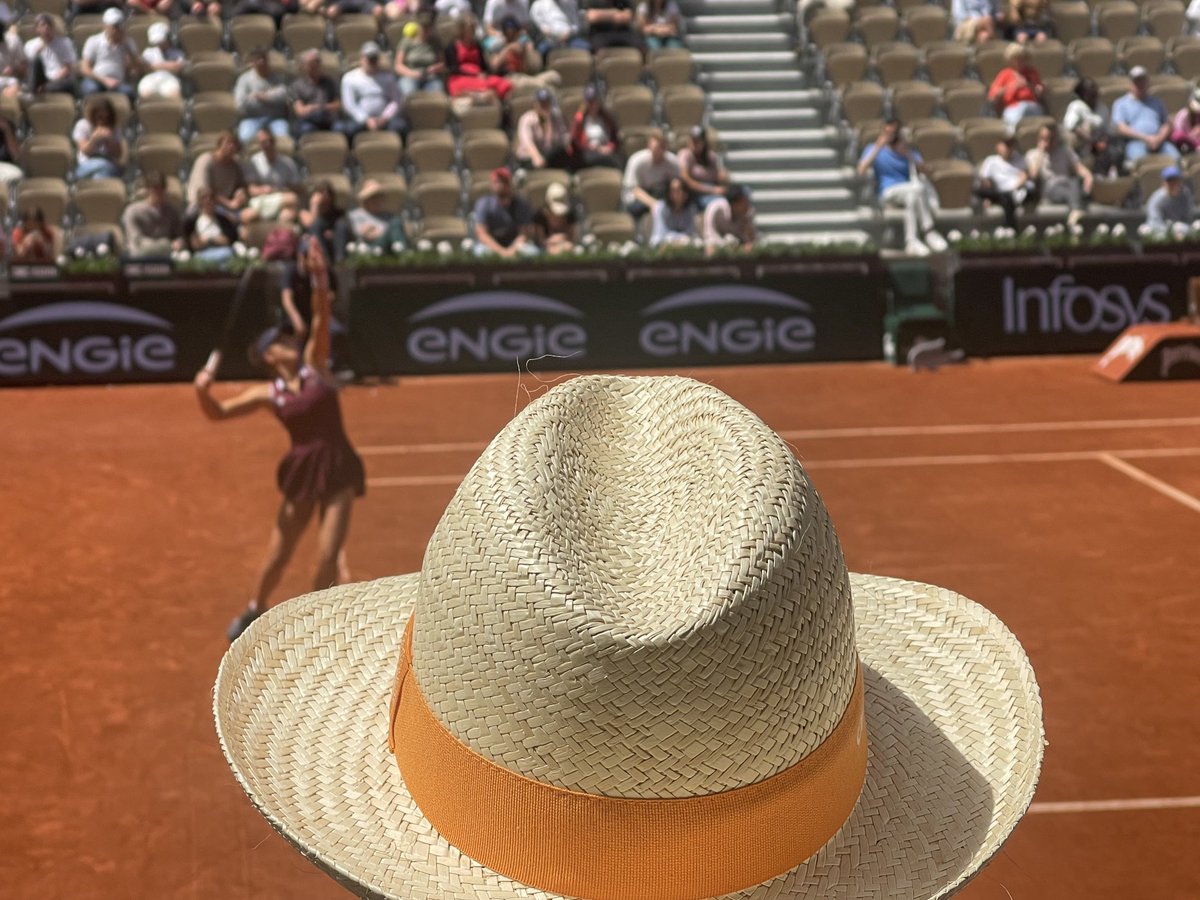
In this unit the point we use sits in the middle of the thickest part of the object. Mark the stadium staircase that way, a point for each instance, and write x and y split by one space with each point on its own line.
773 126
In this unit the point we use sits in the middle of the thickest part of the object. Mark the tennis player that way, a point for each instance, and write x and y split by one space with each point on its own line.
321 472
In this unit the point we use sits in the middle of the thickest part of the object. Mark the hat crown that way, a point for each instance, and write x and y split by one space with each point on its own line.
636 592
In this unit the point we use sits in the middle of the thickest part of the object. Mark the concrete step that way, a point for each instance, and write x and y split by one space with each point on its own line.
804 200
778 23
767 60
694 9
753 43
783 139
835 176
830 220
752 79
788 98
800 160
767 119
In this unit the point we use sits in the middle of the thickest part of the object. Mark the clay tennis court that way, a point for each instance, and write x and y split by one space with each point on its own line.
132 529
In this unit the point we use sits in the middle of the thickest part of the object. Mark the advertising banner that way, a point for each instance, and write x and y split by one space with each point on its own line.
104 332
1038 305
692 319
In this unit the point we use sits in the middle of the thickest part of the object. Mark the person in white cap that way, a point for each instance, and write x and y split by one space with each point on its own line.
1142 120
13 65
110 60
52 58
371 96
163 64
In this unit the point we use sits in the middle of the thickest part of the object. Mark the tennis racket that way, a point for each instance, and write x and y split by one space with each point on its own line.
231 320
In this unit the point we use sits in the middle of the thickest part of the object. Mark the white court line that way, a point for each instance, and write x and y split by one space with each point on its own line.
1150 481
876 431
1082 806
1106 456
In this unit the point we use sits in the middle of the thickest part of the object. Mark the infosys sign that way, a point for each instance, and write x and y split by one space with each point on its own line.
727 322
85 340
486 328
1044 310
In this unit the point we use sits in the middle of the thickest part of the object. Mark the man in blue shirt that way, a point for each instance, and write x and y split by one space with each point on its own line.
503 220
896 166
1142 120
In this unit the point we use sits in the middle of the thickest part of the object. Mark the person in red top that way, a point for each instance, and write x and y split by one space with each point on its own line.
466 68
33 240
321 471
1017 90
594 134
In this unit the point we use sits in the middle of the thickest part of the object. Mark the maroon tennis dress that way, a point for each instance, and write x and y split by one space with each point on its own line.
321 462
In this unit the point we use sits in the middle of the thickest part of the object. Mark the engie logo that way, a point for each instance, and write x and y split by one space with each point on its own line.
496 326
87 337
761 322
1077 308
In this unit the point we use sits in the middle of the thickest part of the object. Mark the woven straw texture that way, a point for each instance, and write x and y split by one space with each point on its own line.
636 592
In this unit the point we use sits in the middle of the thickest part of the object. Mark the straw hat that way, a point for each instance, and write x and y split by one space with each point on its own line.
633 664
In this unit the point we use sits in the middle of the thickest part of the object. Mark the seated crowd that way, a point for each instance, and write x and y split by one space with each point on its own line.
1111 131
427 74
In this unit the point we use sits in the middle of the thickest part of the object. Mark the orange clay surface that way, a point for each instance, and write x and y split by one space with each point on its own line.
132 528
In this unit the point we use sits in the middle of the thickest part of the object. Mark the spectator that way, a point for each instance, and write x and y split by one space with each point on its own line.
11 172
1087 118
402 10
503 220
153 226
93 7
1030 21
557 22
1016 91
159 7
210 231
52 59
517 60
276 9
371 96
467 71
1172 203
1142 120
1185 130
110 59
594 133
325 220
647 175
419 62
261 98
315 98
208 10
1057 173
453 9
274 183
495 12
896 168
1193 17
1004 180
674 217
729 221
163 64
101 149
660 23
541 140
974 20
13 68
343 8
221 172
555 225
701 170
372 223
610 24
34 241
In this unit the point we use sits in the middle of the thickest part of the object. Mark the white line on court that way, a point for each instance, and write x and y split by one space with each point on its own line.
1136 803
1106 456
1150 481
874 431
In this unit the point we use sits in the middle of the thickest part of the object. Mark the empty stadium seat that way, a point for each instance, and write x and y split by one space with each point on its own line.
48 194
197 35
160 115
877 25
1072 19
934 138
211 71
441 228
437 193
926 24
1142 50
1049 57
599 189
214 111
1185 56
573 65
611 227
51 114
485 149
47 156
1164 19
828 26
250 32
914 100
1092 57
683 107
671 66
861 101
100 200
352 31
1057 94
159 153
946 61
301 32
1117 19
430 150
619 66
896 61
633 105
846 64
964 99
323 152
479 115
427 109
377 151
952 179
980 136
1112 192
1173 90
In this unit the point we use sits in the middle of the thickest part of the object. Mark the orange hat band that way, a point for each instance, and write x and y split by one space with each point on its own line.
585 845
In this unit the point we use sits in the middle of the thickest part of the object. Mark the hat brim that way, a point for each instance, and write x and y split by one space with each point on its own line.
954 724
